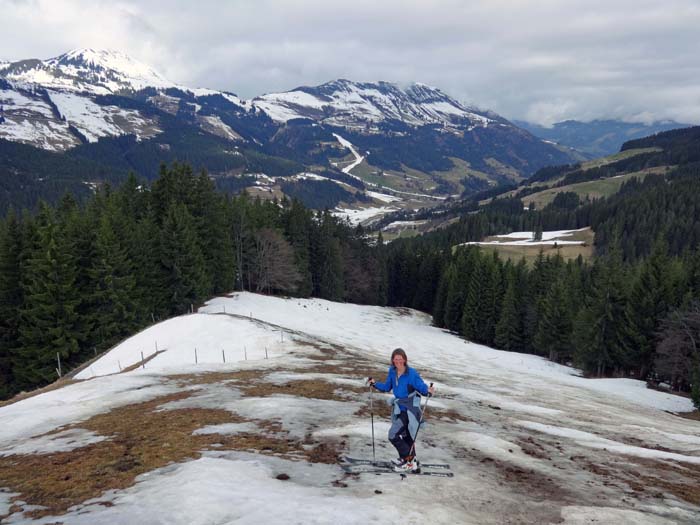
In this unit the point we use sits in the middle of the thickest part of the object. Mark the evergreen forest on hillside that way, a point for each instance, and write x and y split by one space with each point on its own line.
77 279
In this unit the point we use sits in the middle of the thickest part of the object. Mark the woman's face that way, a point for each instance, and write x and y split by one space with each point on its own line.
399 361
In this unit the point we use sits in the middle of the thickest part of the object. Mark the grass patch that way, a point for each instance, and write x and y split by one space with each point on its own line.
531 253
694 415
597 163
594 189
141 439
311 389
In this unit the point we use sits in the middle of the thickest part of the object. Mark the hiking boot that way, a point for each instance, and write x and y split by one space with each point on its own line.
408 465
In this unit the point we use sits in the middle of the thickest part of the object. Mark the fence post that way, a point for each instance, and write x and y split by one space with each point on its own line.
245 353
195 356
143 362
265 352
223 355
119 364
58 356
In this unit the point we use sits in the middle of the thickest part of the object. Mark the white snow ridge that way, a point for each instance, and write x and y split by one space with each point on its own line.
237 413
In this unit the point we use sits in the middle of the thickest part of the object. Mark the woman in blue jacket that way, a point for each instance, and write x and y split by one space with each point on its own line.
405 382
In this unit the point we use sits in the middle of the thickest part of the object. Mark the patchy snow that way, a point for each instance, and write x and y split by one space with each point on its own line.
591 440
383 196
546 236
57 442
95 121
354 105
96 71
358 158
402 225
214 125
549 238
496 416
362 215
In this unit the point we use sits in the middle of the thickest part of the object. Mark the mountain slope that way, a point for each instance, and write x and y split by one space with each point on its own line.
98 72
417 144
597 138
528 441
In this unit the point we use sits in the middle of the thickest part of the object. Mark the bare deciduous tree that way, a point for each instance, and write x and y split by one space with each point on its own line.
677 354
273 265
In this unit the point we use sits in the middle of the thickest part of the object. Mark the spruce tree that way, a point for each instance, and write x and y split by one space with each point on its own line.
651 299
49 320
112 301
11 298
509 331
553 336
182 260
602 330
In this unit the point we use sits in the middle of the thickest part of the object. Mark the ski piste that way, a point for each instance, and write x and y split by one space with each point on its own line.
369 469
389 464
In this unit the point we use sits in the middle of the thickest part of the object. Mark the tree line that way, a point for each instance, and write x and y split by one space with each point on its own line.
77 279
634 311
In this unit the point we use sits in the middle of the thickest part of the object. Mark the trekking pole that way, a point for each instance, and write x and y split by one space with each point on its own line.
371 412
422 418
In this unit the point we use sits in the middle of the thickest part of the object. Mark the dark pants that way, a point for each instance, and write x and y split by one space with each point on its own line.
400 437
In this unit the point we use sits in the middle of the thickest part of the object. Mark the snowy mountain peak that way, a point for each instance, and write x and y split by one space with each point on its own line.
356 104
96 71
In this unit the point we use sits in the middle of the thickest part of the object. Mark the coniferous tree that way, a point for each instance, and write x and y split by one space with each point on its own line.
182 259
602 333
328 258
509 333
553 336
298 227
466 263
11 298
651 299
113 308
49 317
441 294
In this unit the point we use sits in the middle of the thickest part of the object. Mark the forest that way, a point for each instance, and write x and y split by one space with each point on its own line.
75 279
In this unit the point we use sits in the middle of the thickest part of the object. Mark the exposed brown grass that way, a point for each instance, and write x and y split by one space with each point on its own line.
142 439
313 389
683 481
141 363
206 378
694 415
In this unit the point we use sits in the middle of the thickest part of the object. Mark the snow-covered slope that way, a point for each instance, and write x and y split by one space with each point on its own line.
354 104
96 71
528 441
28 118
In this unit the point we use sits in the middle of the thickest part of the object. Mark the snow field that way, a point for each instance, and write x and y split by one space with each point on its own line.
503 404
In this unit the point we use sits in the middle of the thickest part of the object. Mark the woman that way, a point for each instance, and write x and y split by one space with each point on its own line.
405 382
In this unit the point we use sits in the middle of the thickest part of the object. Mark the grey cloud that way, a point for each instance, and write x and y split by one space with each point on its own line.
543 60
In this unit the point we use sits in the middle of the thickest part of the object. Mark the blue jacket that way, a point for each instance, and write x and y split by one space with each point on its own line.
409 382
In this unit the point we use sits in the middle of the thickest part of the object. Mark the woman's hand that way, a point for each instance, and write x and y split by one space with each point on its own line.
431 390
371 381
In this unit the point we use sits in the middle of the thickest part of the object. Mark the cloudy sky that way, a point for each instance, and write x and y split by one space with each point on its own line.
543 61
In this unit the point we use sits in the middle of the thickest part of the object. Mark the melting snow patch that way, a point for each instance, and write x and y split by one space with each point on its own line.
587 439
227 429
60 442
230 490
